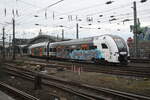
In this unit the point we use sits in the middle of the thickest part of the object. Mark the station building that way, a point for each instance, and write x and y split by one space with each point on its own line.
143 44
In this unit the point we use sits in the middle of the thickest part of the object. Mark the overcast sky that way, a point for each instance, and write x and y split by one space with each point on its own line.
50 18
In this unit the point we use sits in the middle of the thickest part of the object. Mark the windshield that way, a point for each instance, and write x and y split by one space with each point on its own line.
120 44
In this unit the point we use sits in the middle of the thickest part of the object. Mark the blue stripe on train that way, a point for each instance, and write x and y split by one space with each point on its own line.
86 54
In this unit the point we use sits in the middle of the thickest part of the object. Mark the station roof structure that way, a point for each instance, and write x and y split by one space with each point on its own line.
38 39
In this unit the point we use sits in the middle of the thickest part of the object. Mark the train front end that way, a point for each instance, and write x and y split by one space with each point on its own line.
123 50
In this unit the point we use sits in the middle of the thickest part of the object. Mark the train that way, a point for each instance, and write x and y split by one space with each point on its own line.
99 49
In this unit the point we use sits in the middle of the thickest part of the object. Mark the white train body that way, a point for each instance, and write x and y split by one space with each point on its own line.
104 48
112 53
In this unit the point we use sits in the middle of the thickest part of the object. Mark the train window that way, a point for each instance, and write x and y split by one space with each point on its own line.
71 50
92 47
67 49
83 48
104 46
54 49
120 44
50 49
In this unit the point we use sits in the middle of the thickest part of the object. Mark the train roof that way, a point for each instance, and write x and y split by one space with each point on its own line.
75 41
81 41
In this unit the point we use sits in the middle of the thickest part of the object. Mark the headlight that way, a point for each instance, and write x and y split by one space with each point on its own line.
123 53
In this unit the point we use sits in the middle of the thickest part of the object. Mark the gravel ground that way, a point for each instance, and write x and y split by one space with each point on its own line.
127 84
46 93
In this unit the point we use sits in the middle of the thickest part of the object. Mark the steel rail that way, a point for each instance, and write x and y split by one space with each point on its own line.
135 60
31 78
17 92
122 95
124 71
58 84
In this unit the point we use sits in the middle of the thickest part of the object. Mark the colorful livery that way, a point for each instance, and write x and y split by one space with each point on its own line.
104 48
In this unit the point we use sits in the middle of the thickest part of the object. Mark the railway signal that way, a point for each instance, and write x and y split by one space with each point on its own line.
3 43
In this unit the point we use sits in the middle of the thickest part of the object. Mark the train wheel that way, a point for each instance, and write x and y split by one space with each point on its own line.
124 63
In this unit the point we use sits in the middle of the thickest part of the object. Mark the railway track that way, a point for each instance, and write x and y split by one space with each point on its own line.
20 95
136 71
29 75
135 60
86 91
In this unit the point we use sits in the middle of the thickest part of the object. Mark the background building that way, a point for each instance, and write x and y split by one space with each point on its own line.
143 43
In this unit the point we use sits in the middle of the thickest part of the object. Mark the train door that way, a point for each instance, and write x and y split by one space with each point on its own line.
109 49
52 51
32 51
48 50
40 51
105 50
103 47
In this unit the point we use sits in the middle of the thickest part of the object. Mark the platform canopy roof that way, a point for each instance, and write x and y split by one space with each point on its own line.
38 39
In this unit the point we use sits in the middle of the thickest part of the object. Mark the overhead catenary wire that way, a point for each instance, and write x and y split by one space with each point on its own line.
108 10
121 20
27 3
43 9
53 4
47 18
48 6
80 9
60 20
117 21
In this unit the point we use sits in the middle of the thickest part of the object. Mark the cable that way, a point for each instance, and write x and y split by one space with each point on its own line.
60 1
35 6
80 9
122 6
48 6
83 8
45 8
59 20
109 10
73 10
51 5
91 6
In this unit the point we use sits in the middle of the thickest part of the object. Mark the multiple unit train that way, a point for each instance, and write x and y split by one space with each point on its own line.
101 49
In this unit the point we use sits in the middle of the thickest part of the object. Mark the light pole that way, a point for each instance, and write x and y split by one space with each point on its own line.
135 29
9 45
13 42
3 43
77 31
